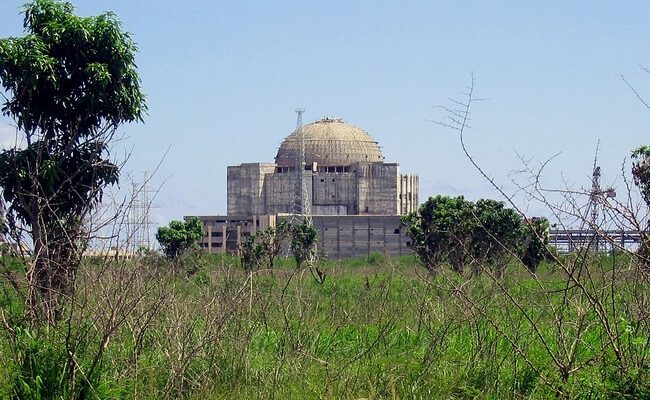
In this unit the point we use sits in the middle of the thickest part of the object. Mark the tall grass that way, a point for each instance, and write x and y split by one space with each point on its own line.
147 329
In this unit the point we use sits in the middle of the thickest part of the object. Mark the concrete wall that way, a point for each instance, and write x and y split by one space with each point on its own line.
353 236
359 189
246 188
225 233
280 191
340 236
409 187
334 193
377 186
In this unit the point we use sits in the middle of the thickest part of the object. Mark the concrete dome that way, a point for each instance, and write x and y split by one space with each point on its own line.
330 142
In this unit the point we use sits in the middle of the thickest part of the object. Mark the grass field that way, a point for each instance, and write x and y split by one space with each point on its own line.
376 328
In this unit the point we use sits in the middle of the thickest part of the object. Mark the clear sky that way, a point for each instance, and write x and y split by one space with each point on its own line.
223 80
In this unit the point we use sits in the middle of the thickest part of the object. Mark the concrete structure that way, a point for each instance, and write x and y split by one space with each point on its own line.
345 174
356 199
340 236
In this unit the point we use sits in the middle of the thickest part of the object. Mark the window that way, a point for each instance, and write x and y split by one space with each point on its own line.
322 180
396 231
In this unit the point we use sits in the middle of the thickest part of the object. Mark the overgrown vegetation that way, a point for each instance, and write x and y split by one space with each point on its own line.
381 331
262 248
111 327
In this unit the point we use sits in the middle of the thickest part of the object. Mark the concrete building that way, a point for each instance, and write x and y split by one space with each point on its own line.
345 175
355 197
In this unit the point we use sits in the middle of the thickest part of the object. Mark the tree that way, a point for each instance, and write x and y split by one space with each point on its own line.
439 231
179 237
456 231
641 175
641 171
536 233
496 234
71 82
303 242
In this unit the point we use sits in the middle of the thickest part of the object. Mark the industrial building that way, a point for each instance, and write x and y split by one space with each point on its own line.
354 196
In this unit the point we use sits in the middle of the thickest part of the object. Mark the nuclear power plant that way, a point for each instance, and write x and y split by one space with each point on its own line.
337 172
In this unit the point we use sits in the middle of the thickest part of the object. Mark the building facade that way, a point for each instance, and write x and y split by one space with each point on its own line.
355 197
344 174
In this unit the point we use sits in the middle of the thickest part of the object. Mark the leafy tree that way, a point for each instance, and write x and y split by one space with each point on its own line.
641 171
456 231
179 237
641 175
439 231
303 242
71 81
496 234
536 233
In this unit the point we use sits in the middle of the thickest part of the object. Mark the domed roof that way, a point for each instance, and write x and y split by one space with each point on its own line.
330 142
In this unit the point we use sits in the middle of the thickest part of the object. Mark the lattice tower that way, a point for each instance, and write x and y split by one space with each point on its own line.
597 196
301 209
139 222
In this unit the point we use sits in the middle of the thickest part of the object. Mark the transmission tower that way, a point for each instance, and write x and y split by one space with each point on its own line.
139 222
301 206
596 197
301 209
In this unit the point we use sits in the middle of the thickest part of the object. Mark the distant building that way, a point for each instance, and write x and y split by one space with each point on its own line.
356 198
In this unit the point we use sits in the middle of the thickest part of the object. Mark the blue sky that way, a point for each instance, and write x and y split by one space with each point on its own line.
223 80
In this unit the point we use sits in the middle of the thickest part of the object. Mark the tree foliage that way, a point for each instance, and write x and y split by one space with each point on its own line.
303 242
535 247
495 234
641 175
71 81
264 247
641 171
484 234
252 253
439 231
179 237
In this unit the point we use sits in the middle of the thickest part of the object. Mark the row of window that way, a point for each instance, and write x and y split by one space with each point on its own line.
332 170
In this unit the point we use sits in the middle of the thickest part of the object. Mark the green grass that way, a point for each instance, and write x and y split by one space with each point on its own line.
377 328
